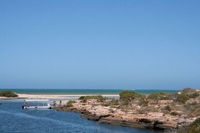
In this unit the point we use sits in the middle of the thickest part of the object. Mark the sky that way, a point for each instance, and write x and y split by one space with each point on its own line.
125 44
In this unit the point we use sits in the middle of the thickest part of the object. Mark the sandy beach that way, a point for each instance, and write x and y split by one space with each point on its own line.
52 96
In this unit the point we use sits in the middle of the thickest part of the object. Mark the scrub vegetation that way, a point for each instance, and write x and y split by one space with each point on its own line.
86 98
193 128
70 103
8 93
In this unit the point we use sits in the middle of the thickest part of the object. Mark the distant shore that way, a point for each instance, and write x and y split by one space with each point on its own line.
72 94
86 91
52 96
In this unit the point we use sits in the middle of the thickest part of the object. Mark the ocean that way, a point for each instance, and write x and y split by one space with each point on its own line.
15 120
85 91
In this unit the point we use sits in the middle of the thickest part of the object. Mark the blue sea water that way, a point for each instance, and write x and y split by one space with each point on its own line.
84 91
15 120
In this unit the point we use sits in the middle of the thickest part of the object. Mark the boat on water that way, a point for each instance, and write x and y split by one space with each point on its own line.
41 104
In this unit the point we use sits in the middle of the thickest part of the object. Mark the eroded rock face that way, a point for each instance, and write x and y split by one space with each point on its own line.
93 110
167 112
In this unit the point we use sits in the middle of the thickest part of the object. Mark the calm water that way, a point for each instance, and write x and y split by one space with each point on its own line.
83 91
15 120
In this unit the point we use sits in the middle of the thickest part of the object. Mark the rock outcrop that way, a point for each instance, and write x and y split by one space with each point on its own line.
93 110
160 111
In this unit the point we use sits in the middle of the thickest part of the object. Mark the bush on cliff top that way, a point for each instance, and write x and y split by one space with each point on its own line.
161 96
186 95
127 96
188 90
8 93
182 98
70 103
193 95
98 98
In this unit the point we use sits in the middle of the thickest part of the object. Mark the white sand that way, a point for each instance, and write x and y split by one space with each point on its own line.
56 96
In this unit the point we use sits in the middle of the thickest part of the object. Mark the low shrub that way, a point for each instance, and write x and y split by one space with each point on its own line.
143 102
160 96
193 128
193 95
182 98
174 113
98 98
8 93
127 97
70 103
168 108
188 90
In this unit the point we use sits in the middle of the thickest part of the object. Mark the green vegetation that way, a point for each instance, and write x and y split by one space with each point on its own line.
193 128
184 104
188 90
98 98
128 96
8 93
193 95
182 98
186 94
143 102
160 96
70 103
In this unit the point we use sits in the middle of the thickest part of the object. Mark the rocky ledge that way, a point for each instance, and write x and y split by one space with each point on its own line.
92 110
134 115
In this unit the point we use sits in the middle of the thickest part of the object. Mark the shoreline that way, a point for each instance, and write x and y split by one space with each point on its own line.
159 111
93 110
53 96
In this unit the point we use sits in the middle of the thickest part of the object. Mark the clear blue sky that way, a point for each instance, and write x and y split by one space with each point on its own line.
139 44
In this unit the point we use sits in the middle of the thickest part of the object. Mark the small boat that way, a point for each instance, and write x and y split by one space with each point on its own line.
27 106
45 105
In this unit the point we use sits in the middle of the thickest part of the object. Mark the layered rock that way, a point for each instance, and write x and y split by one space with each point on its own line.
163 111
93 110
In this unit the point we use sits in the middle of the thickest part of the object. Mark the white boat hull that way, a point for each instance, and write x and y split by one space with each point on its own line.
37 107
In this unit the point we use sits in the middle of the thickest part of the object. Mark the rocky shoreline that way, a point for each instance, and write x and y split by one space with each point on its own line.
108 115
99 111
